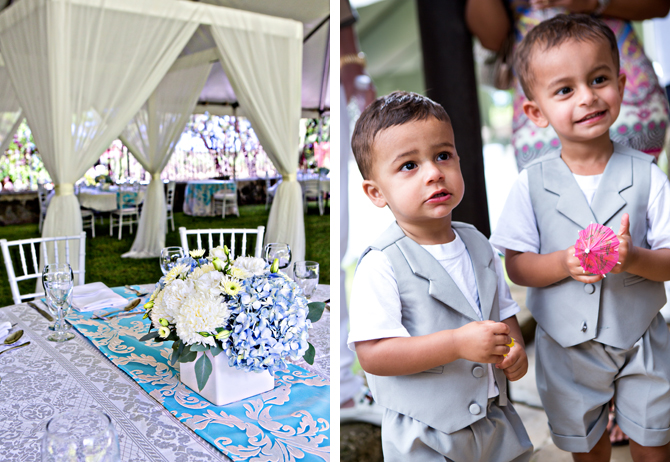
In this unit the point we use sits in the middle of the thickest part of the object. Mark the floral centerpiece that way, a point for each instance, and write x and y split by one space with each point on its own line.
243 308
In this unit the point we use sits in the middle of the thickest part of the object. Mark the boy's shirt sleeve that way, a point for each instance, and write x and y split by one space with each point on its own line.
508 307
374 309
517 227
658 211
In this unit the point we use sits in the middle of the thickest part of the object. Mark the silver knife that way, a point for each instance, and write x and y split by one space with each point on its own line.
46 315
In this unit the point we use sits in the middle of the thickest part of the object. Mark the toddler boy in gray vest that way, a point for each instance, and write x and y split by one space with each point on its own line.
428 299
598 338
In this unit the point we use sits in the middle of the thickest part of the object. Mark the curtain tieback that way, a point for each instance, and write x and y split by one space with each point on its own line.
156 176
290 177
64 189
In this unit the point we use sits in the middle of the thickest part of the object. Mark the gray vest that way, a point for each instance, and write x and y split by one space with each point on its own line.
455 395
617 310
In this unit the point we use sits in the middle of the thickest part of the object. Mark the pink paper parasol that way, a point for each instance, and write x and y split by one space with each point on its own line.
597 249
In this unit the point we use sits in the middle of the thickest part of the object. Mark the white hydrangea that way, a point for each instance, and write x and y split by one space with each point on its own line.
253 265
201 313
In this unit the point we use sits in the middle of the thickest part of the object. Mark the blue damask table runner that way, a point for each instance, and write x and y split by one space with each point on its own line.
290 422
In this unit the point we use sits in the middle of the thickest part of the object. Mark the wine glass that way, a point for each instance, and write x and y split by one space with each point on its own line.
58 280
79 435
169 257
306 275
280 251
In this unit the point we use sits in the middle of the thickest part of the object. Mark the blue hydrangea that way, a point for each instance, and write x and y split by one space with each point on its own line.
268 324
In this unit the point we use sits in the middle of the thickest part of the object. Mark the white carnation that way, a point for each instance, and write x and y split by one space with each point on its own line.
159 309
208 283
253 265
201 313
199 271
174 296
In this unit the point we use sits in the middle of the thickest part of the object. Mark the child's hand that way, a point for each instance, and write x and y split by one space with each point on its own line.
515 365
483 341
574 268
627 251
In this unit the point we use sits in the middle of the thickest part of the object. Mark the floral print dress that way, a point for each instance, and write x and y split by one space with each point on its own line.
643 119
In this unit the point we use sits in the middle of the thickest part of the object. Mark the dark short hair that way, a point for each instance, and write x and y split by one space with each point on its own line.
397 108
554 32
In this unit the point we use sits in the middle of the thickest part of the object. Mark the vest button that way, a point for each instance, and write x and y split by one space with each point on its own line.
474 409
589 288
478 371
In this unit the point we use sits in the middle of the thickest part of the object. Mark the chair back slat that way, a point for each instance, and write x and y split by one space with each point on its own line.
236 239
35 272
23 260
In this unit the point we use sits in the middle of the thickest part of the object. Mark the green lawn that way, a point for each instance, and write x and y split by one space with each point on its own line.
103 253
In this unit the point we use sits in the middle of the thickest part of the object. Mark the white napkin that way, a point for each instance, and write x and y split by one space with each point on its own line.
96 296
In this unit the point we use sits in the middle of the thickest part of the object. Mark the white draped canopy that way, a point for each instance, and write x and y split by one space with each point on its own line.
81 69
151 136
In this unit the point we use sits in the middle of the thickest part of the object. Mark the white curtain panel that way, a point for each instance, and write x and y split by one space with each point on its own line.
10 109
262 57
81 69
152 136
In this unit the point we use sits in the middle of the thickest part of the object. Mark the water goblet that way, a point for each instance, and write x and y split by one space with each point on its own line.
279 251
58 281
306 275
80 435
169 257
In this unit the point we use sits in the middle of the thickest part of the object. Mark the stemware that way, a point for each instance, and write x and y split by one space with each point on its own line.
169 257
306 275
58 280
80 435
279 251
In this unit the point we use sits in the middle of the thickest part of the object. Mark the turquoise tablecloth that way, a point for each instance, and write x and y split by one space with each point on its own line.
198 196
291 422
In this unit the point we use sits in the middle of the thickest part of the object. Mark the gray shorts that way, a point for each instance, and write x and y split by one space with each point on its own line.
577 383
498 437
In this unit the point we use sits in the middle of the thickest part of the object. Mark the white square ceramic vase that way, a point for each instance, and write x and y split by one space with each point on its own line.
226 384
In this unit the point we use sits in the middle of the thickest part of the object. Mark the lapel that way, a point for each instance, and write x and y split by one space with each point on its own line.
442 287
617 177
557 178
487 280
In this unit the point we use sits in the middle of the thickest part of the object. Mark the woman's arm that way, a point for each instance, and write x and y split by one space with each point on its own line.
637 10
488 21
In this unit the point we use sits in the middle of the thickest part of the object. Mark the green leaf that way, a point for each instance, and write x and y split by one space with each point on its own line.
215 350
309 354
149 336
177 354
203 369
315 310
188 357
198 347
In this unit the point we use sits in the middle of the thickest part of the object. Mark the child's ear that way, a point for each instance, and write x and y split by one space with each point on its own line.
622 84
373 192
533 112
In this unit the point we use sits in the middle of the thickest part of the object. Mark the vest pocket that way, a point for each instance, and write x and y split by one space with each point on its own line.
435 370
629 281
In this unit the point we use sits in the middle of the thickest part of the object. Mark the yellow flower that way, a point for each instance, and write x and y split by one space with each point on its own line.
163 332
197 253
239 273
231 287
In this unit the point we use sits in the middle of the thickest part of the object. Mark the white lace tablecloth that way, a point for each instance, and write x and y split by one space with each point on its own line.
46 378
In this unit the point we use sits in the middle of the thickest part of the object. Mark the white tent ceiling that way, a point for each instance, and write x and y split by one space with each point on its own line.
218 97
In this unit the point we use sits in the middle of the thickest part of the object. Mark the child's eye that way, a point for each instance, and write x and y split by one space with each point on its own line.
599 80
564 91
444 156
407 166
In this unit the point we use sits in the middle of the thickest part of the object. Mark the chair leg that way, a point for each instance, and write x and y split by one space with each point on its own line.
223 208
93 225
111 224
172 220
320 204
120 224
